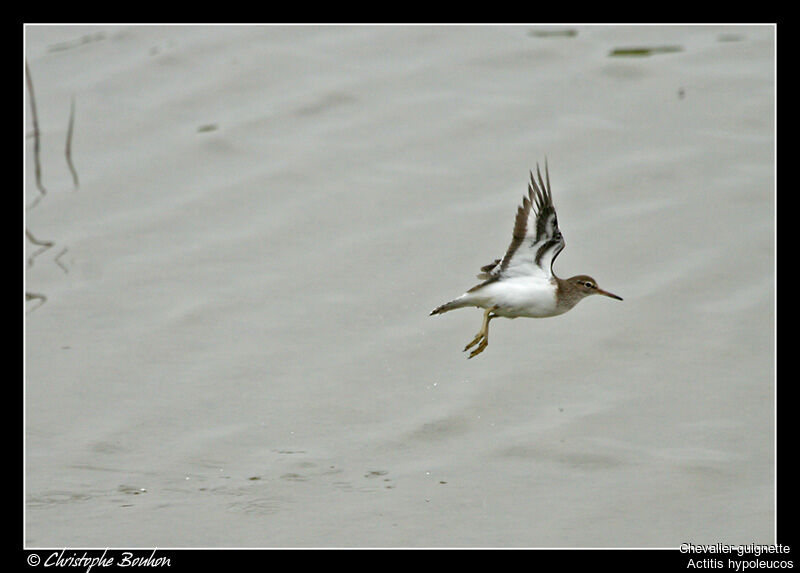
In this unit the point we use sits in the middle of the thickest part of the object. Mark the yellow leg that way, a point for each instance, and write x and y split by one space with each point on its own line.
482 338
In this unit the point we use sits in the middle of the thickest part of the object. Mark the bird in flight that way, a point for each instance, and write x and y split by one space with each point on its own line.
522 283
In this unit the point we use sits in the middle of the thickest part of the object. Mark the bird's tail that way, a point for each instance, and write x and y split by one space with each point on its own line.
452 305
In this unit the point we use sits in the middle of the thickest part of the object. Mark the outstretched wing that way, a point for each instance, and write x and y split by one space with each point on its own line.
536 241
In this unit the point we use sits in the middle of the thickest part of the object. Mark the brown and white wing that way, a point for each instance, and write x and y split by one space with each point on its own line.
536 241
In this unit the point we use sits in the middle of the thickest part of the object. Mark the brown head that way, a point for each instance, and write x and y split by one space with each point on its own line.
575 289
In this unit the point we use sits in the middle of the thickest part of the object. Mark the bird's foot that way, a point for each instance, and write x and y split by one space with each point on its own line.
474 341
481 340
480 348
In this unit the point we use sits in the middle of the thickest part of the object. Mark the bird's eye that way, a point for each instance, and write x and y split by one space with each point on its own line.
588 284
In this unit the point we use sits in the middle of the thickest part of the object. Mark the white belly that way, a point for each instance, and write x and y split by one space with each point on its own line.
519 296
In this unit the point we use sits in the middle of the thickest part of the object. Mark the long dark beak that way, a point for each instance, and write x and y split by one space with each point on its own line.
608 294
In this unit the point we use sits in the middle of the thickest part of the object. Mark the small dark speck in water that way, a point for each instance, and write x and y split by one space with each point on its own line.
642 51
567 33
207 127
254 478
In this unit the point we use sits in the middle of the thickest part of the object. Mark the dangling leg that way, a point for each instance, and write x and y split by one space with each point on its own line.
483 335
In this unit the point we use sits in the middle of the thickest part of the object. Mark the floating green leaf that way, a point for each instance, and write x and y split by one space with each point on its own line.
642 51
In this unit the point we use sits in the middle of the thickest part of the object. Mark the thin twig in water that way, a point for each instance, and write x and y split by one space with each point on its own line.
36 162
68 150
35 296
43 244
58 262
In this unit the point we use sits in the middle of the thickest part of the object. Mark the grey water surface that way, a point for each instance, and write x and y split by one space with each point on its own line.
234 347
